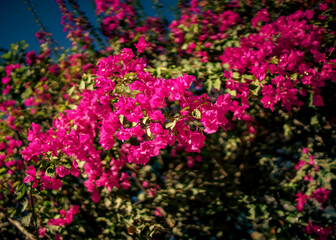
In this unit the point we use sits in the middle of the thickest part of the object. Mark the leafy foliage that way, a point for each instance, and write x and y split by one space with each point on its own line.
221 126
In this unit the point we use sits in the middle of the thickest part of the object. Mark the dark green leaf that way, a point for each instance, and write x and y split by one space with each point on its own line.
23 191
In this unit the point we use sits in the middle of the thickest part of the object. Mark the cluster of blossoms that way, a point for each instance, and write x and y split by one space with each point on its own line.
321 194
310 166
281 49
7 108
66 216
137 114
43 37
118 13
119 21
279 56
74 66
320 232
9 145
76 26
9 148
208 27
40 97
6 80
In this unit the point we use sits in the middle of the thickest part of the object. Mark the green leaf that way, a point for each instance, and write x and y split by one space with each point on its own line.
67 165
72 106
23 191
287 130
51 171
184 46
247 76
149 133
195 28
16 184
314 121
90 78
232 92
26 219
71 90
292 218
107 202
18 188
3 170
254 87
274 60
6 55
144 120
27 93
121 118
14 47
185 109
217 83
25 46
294 76
91 87
24 204
209 67
208 85
82 85
171 125
235 75
130 75
196 114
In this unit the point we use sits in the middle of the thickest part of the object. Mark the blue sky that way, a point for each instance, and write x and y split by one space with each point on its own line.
17 22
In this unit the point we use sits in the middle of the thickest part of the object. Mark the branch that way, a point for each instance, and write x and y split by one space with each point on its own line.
137 182
2 225
22 229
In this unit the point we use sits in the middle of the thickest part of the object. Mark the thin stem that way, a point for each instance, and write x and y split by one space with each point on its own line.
33 206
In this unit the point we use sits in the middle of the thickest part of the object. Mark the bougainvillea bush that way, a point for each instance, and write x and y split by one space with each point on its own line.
218 125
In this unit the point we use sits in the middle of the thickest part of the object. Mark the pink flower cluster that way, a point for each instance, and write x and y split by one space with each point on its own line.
119 21
322 233
8 148
117 13
130 105
280 48
209 27
5 80
138 114
66 217
320 195
262 16
76 26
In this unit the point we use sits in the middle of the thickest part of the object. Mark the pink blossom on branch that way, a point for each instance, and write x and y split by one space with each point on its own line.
141 45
